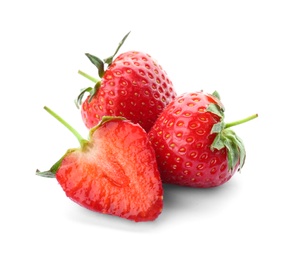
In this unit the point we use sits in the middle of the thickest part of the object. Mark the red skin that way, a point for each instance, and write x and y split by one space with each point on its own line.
134 86
181 139
115 174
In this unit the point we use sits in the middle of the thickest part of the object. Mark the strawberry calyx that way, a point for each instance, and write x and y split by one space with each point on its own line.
84 143
226 137
101 65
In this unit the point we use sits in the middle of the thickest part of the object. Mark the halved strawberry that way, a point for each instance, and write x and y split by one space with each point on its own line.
113 172
134 86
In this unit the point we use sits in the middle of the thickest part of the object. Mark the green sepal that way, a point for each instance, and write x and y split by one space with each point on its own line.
94 90
239 145
52 172
218 127
216 94
90 90
225 137
232 152
78 101
106 119
98 63
109 60
216 109
103 121
47 174
236 152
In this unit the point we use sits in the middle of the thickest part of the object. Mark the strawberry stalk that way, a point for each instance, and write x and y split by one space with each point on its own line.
88 76
80 139
239 122
83 142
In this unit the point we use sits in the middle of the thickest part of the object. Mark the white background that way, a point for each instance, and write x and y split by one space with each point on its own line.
246 50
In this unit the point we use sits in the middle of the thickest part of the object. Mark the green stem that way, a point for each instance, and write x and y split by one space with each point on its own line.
80 139
238 122
87 76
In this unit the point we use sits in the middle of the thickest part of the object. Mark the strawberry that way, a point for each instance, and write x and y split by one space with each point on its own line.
113 172
133 86
193 145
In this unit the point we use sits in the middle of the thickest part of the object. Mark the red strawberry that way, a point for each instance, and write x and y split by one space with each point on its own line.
114 172
134 86
193 145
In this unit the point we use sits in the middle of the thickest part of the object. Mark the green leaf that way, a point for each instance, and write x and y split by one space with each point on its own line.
78 101
52 172
109 60
216 94
92 92
232 153
236 152
98 63
217 143
235 148
218 127
216 109
241 148
47 174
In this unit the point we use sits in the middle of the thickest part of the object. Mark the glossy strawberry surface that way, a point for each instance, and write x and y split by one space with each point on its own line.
113 172
134 86
182 140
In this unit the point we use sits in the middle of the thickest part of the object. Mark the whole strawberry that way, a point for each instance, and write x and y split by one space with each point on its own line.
114 172
134 86
193 145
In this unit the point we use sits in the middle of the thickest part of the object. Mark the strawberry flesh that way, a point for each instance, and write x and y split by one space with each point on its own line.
115 173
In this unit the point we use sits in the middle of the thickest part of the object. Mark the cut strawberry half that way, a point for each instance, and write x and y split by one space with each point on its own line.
113 172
